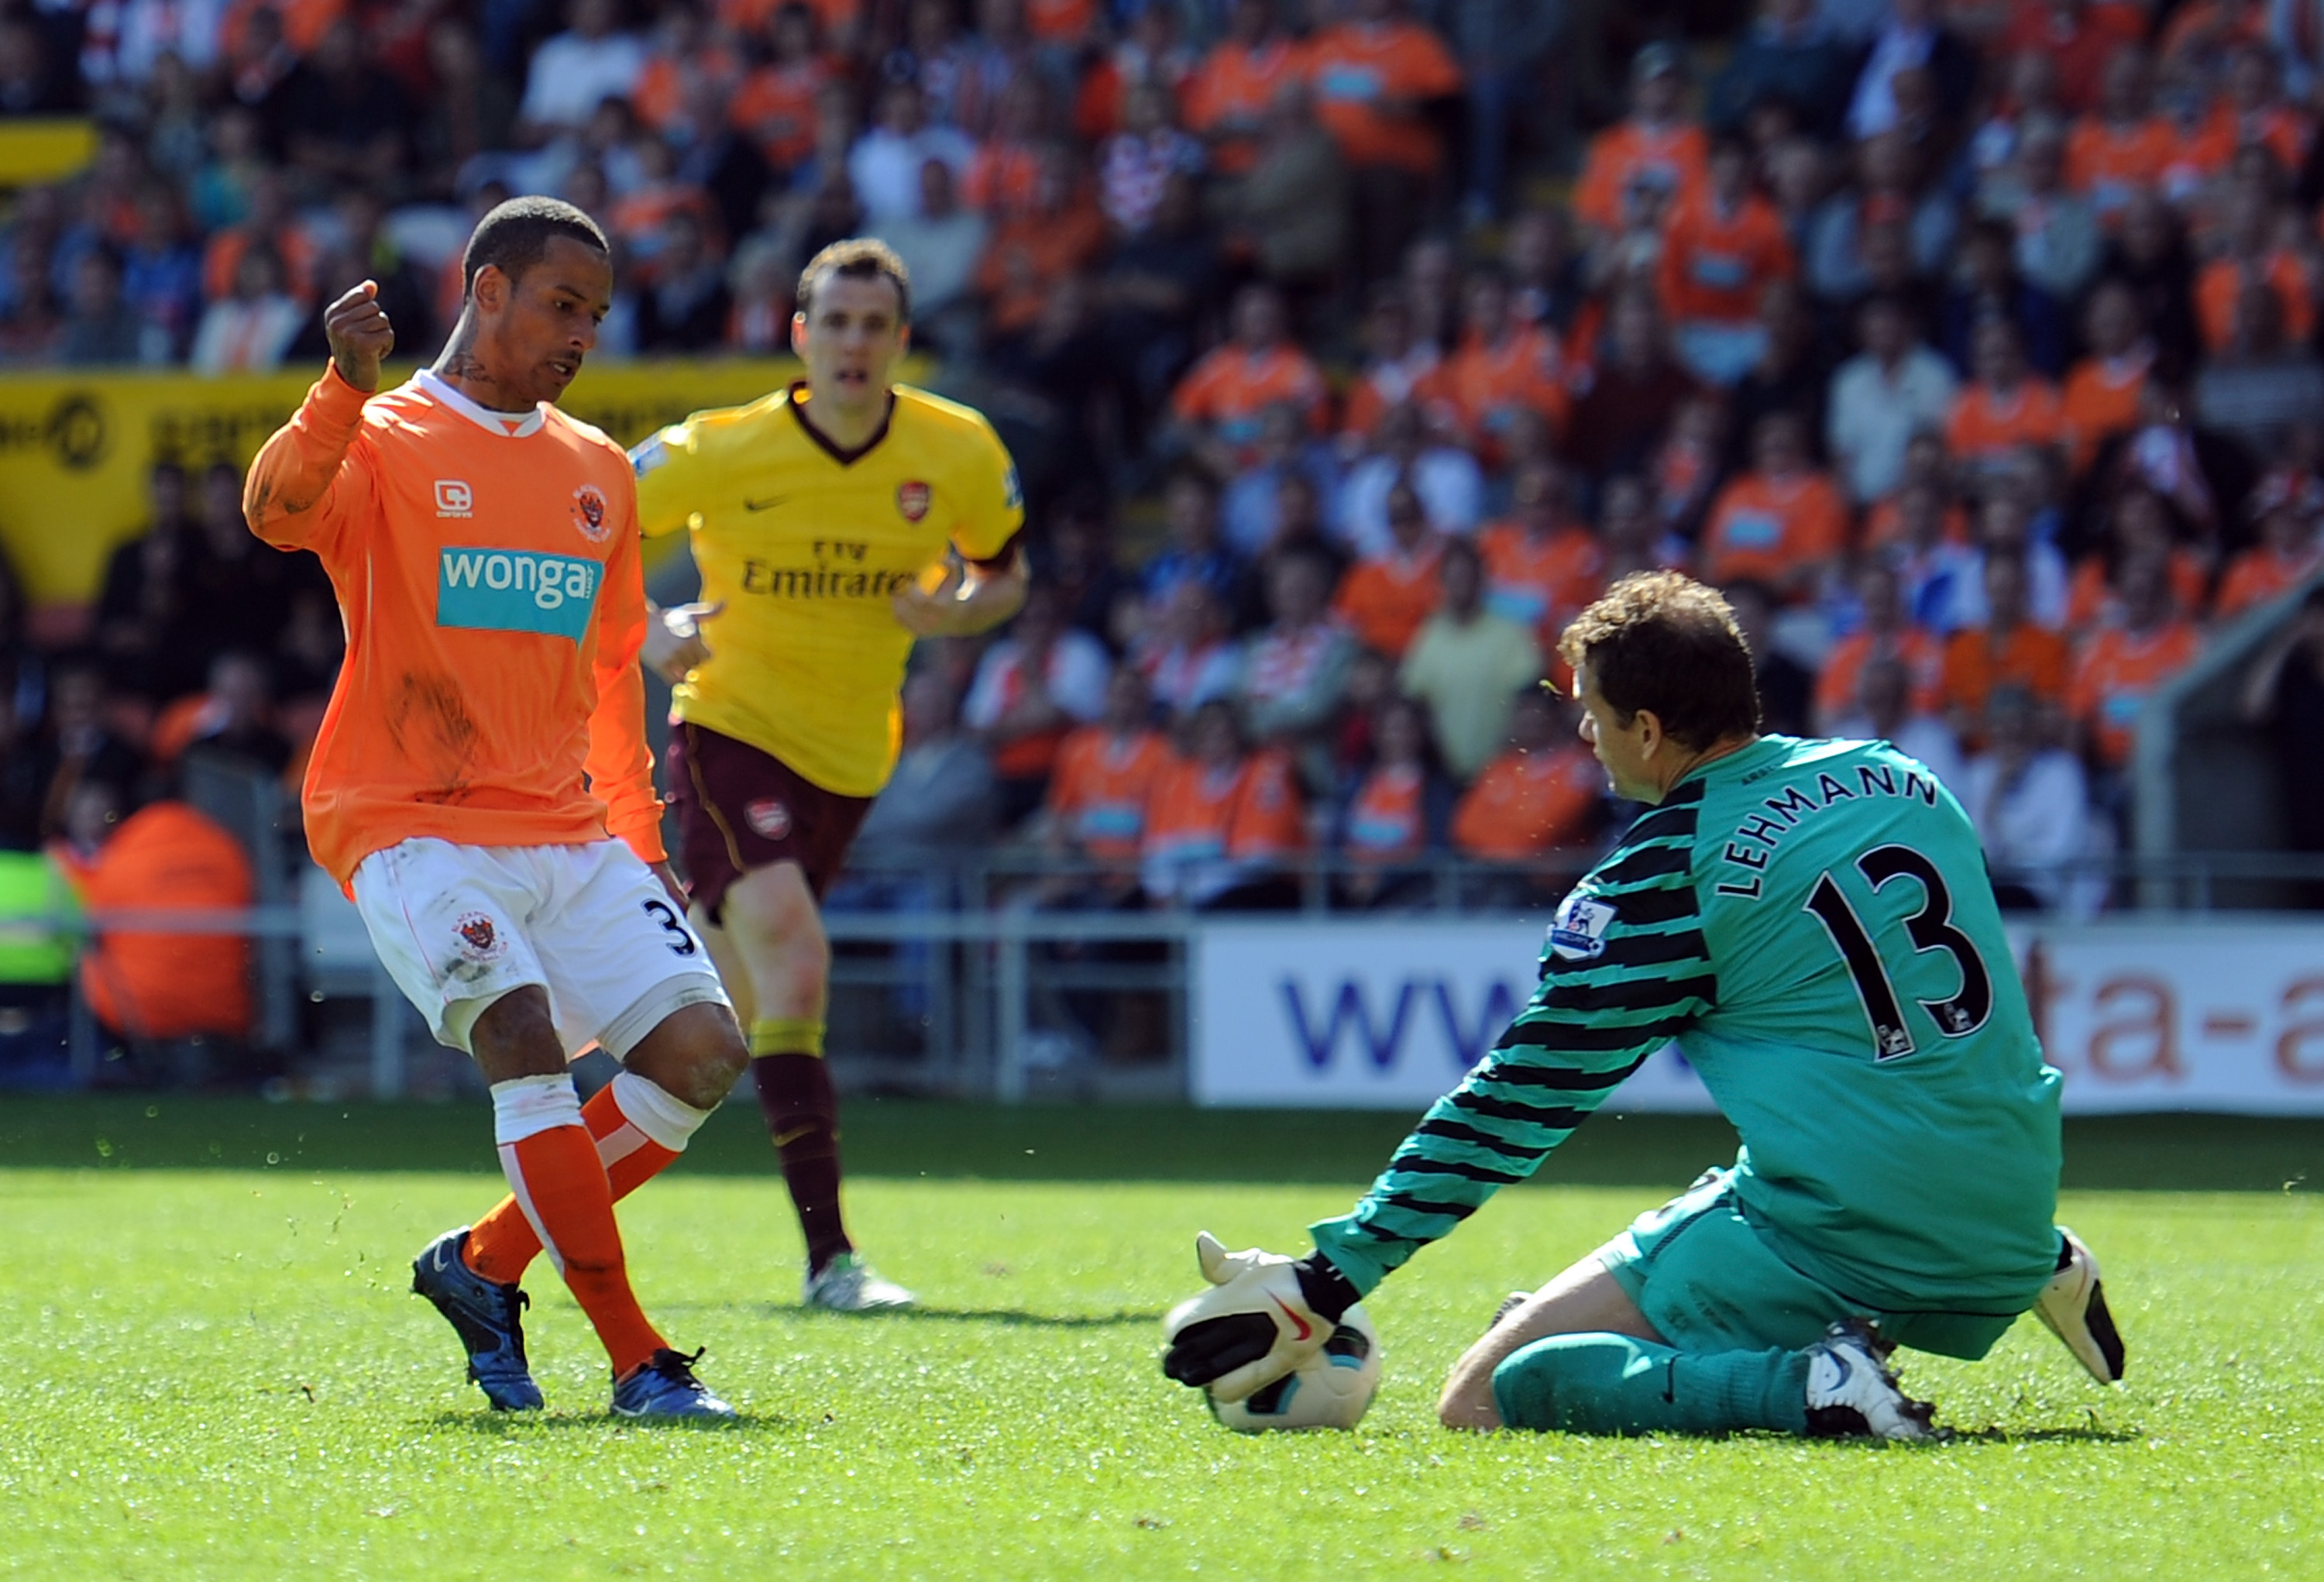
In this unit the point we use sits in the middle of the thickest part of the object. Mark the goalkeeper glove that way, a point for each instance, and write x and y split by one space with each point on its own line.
1264 1315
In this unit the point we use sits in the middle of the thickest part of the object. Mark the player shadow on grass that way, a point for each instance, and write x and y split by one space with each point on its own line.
1007 1318
2089 1434
501 1424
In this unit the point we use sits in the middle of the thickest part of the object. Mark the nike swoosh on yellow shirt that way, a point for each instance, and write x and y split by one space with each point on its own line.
767 504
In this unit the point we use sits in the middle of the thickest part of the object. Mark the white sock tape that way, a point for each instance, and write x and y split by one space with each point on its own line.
654 1110
526 1106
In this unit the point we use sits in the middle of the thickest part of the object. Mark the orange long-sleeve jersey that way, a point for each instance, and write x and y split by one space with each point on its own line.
487 566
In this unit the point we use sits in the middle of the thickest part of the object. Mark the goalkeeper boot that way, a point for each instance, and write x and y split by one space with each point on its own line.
664 1385
2073 1305
488 1317
847 1284
1851 1394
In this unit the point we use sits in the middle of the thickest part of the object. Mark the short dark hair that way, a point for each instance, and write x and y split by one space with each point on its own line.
515 236
857 258
1662 641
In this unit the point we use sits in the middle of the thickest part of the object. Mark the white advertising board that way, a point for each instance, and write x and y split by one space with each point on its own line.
2194 1015
2199 1015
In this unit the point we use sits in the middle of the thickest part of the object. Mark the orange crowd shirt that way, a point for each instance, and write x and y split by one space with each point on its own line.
2090 600
2032 657
1986 423
2117 672
1378 390
775 108
1357 68
1247 811
1539 582
1489 385
1843 669
1527 803
2222 281
1102 783
1230 90
1003 179
486 567
669 90
222 259
2109 164
1673 158
1232 386
1718 263
1768 528
2281 130
1884 525
1029 254
1385 600
2100 399
1388 818
2259 573
1060 22
751 17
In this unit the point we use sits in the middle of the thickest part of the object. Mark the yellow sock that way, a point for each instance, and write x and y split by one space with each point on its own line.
786 1035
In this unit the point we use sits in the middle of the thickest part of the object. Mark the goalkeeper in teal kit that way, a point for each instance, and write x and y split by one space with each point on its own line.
1810 922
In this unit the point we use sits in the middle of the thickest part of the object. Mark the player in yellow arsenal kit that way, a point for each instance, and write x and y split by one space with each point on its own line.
834 522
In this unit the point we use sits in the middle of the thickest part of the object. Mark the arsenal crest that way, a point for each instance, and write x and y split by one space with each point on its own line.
912 499
589 513
768 819
479 940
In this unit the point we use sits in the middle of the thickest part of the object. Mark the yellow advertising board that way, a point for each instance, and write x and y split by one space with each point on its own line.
74 448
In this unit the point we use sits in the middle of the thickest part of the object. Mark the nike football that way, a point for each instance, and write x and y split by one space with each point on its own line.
1329 1390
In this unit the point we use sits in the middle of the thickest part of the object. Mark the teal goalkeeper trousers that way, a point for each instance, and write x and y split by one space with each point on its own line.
1614 1384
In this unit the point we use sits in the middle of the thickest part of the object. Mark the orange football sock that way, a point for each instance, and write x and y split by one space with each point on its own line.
502 1244
562 1189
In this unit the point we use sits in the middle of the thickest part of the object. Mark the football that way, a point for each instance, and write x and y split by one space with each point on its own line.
1329 1390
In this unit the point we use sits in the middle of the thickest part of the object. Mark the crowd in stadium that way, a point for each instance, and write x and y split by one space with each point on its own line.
1970 348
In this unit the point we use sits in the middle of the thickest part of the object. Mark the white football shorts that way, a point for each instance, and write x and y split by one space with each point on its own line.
459 925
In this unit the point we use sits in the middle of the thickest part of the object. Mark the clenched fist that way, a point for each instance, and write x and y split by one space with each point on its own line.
360 335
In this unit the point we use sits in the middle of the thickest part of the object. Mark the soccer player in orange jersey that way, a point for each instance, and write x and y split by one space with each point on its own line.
482 784
834 521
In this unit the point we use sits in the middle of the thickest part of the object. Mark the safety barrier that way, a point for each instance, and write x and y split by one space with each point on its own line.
953 981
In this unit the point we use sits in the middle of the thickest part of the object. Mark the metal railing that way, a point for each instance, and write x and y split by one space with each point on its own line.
959 981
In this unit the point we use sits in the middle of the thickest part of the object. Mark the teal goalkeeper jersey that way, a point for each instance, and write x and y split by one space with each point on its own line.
1812 923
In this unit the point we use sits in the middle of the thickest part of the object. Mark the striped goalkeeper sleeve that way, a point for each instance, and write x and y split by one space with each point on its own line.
1624 970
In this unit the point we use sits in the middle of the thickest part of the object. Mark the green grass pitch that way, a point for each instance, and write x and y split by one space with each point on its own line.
214 1370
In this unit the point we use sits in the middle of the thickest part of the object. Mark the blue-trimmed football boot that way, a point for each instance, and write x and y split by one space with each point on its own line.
488 1317
665 1386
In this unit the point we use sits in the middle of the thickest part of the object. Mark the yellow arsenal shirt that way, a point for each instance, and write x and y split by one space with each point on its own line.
806 545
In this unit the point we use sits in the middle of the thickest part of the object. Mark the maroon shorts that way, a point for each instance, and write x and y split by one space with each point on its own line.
740 809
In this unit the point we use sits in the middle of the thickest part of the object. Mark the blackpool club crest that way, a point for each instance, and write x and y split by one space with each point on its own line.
479 939
589 513
912 498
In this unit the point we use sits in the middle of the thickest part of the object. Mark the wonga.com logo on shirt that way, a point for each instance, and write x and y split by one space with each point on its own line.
511 590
